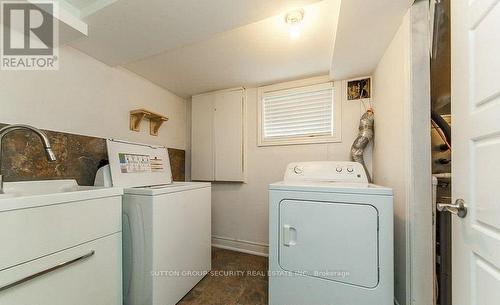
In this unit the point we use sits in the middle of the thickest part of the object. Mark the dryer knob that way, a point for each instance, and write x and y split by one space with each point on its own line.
298 170
339 169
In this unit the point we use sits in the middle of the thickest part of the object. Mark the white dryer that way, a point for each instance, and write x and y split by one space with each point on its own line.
330 237
166 225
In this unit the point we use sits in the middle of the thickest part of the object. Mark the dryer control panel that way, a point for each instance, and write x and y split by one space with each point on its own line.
326 171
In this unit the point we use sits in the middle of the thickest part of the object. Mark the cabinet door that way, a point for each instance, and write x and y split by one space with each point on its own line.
228 126
202 137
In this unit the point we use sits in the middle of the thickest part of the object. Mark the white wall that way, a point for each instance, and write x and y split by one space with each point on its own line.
88 97
390 151
240 211
401 153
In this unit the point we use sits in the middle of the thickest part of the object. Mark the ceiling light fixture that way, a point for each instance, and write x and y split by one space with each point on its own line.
293 19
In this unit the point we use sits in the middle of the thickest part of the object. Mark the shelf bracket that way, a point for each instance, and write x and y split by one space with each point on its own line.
155 120
155 124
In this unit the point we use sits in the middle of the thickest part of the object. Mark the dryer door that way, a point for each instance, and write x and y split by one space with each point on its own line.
330 240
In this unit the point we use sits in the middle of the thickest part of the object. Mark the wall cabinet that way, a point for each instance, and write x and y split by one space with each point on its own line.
217 136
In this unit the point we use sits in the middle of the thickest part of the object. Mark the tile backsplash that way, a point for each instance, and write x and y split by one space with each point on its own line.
178 163
78 157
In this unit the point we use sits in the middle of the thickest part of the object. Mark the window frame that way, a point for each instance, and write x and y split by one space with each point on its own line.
298 85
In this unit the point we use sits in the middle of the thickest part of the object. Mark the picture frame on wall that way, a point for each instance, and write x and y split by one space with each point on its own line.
359 89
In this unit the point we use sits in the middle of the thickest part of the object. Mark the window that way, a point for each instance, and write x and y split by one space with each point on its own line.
298 115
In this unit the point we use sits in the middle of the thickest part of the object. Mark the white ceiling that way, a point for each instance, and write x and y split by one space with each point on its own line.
364 31
255 54
192 46
82 8
81 4
128 30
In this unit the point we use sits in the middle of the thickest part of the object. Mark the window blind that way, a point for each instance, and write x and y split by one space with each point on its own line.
301 112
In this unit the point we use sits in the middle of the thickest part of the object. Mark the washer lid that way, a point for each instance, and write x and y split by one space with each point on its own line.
174 187
134 164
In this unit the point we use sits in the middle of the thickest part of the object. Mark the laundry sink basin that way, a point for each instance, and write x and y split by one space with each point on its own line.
43 187
28 194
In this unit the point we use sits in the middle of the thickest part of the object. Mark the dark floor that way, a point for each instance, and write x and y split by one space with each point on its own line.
236 279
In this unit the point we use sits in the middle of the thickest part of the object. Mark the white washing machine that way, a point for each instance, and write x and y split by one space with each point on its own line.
166 225
330 237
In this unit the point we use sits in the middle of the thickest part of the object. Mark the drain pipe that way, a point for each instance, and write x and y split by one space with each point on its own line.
365 135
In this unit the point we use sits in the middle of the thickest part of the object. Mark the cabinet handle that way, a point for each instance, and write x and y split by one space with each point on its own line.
48 270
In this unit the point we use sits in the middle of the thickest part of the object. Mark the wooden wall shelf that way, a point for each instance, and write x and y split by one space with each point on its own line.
155 120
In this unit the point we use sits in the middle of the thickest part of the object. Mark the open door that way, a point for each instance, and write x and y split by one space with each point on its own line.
475 111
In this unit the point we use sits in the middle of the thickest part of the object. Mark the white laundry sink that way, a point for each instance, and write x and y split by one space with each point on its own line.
28 194
43 187
68 233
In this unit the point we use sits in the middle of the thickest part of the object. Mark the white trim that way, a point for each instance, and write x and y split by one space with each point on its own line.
244 138
337 104
220 91
409 168
420 272
244 246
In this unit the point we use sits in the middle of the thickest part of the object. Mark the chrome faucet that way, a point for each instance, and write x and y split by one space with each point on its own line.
45 140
